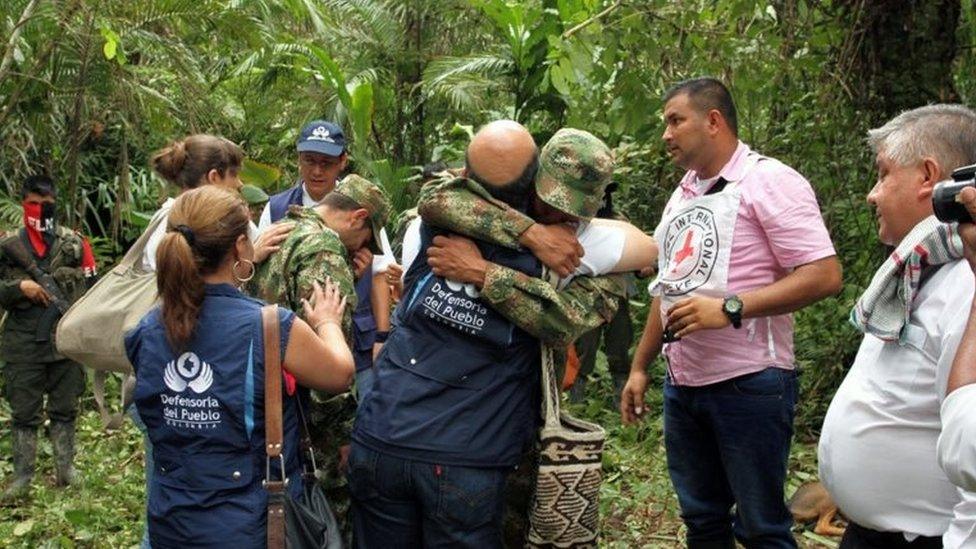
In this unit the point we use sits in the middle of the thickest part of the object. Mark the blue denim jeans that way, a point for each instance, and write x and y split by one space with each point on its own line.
400 503
727 445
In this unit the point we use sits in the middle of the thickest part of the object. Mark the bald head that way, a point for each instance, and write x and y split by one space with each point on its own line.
500 153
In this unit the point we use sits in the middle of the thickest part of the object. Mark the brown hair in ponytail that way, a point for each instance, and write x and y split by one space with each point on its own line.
203 227
185 163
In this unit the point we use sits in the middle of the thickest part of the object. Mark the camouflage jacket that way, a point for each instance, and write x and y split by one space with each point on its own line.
555 317
465 207
63 263
312 252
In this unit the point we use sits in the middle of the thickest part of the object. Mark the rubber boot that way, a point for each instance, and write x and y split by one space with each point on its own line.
619 381
25 452
63 443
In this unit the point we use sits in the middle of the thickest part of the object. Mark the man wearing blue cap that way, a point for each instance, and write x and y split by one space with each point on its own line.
321 158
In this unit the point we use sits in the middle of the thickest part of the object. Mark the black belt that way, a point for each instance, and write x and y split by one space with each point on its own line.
861 537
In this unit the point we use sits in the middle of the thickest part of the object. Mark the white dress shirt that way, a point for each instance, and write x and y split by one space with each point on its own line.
877 449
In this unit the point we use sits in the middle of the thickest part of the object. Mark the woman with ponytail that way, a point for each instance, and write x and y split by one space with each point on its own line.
199 160
189 163
199 365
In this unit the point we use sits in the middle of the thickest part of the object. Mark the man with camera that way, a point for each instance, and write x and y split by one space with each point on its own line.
878 445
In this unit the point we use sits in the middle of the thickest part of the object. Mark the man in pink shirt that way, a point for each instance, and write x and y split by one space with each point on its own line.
743 245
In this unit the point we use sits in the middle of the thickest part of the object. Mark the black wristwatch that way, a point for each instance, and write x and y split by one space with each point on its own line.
732 307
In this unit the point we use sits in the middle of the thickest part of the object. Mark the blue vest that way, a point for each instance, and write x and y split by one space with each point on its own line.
456 383
278 203
364 325
204 412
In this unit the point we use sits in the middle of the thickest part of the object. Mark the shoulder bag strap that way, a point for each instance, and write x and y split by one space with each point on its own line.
273 427
134 255
550 389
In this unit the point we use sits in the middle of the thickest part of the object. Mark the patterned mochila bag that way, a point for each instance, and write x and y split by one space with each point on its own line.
566 502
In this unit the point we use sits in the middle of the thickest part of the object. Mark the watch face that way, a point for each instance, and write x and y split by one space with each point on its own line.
733 305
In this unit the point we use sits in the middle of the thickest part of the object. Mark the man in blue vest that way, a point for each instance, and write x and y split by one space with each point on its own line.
454 401
322 157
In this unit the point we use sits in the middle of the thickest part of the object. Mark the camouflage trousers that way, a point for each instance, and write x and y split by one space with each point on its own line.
330 427
617 336
25 385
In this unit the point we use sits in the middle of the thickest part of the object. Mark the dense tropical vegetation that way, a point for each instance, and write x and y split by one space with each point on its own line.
89 88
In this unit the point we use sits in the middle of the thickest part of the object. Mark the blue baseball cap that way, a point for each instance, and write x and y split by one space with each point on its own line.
323 137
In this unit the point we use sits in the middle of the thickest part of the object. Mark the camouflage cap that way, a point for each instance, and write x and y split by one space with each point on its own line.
574 169
254 196
372 198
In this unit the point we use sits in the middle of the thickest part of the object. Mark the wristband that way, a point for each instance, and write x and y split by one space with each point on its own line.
382 336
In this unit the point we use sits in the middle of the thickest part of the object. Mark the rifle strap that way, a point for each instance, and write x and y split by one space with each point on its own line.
18 250
273 432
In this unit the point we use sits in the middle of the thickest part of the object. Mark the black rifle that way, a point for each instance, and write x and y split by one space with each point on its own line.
15 249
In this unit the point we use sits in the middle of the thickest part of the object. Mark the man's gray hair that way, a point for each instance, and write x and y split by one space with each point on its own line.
946 133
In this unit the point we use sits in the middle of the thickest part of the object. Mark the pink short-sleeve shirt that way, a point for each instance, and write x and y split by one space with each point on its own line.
778 228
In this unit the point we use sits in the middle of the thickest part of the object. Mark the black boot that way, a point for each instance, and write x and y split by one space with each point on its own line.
63 443
25 452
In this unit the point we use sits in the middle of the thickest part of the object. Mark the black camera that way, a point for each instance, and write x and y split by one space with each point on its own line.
945 192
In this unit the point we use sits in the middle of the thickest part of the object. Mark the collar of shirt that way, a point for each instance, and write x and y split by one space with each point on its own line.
732 171
307 199
309 213
221 289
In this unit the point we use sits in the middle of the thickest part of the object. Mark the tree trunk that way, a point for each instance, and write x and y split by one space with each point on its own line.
901 55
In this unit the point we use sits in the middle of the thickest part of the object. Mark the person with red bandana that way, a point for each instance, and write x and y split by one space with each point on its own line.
44 268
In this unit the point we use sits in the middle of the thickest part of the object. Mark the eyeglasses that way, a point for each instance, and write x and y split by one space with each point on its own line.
318 161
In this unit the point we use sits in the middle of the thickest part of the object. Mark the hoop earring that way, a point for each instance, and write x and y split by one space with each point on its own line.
244 279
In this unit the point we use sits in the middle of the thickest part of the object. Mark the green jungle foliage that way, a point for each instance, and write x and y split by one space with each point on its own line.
90 88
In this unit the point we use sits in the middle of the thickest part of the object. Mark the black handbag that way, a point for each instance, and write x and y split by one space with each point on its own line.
308 521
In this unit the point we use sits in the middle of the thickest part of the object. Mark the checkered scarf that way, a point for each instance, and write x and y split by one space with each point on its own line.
884 308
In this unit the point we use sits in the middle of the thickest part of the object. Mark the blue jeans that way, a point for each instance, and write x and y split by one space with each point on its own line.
400 503
728 444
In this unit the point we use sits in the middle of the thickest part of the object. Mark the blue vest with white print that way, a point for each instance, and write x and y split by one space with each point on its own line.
456 383
204 412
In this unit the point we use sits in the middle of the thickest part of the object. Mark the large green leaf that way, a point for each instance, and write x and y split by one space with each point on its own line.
361 115
258 174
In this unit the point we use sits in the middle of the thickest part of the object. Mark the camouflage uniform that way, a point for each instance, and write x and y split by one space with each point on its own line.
33 365
313 252
575 167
